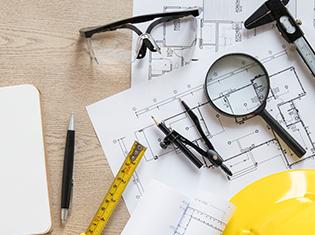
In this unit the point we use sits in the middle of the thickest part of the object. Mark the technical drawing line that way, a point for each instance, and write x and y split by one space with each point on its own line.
249 154
199 216
214 32
275 96
142 111
135 176
181 219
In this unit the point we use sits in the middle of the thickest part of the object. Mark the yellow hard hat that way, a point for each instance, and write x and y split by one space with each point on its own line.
280 204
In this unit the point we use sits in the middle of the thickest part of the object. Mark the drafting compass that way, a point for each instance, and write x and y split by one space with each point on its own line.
173 137
276 10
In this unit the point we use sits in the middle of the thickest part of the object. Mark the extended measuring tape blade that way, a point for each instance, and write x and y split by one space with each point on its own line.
116 190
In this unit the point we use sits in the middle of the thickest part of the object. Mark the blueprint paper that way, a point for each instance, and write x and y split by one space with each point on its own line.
249 147
165 211
219 26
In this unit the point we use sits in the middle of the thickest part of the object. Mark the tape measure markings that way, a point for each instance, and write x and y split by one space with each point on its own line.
116 190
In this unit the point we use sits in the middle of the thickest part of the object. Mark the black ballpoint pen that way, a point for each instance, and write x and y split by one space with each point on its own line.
67 180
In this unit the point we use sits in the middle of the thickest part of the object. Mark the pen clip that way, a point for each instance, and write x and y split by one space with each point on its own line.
71 198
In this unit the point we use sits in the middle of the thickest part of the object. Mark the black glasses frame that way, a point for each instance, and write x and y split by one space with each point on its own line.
165 17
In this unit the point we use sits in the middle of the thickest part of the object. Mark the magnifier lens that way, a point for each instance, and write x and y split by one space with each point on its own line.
237 85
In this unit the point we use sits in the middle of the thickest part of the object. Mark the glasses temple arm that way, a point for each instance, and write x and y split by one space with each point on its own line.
164 20
132 27
160 21
89 31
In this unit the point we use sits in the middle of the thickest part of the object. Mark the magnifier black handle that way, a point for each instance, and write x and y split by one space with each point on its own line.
284 135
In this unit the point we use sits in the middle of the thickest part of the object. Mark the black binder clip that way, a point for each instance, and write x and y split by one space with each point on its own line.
173 137
276 10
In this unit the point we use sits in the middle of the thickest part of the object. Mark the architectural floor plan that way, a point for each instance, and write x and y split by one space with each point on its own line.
166 211
249 147
214 30
194 219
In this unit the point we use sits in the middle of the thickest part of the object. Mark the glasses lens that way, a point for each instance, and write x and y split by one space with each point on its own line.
237 85
113 47
175 40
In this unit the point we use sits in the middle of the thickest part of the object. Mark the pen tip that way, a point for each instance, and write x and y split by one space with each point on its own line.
64 215
71 122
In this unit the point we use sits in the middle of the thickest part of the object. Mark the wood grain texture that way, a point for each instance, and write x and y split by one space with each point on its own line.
40 44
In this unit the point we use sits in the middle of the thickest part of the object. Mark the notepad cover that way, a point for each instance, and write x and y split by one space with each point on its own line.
24 197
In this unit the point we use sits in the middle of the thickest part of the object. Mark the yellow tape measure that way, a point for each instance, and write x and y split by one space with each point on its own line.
116 189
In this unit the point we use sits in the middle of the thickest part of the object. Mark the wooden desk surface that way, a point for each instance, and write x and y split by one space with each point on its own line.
39 44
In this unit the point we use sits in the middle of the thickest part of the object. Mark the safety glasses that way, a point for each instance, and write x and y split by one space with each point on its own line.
171 34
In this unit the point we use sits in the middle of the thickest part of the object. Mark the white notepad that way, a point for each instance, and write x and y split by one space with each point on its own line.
24 199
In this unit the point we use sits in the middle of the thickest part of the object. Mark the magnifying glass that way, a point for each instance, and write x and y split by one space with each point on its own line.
238 85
